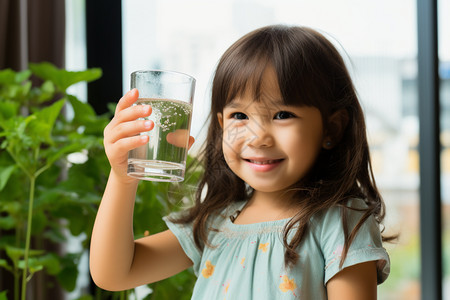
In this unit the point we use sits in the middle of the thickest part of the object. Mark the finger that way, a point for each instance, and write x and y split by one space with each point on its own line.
127 100
178 138
129 114
132 113
123 146
128 129
191 141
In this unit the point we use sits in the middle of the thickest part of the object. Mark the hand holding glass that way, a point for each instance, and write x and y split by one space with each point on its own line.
170 94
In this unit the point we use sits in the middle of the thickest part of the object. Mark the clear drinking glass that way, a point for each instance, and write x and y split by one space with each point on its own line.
170 94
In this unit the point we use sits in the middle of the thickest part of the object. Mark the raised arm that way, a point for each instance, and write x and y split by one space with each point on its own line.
117 261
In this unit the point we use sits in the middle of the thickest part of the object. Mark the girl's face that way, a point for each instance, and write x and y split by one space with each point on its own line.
270 145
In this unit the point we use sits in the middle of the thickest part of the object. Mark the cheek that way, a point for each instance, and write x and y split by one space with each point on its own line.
233 137
301 143
230 150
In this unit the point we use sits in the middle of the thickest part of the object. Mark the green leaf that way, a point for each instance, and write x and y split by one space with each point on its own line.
8 109
15 253
39 221
76 224
11 208
51 112
69 273
51 263
14 87
16 138
47 90
176 287
22 76
18 93
64 150
4 264
33 265
62 78
6 240
83 112
5 173
55 235
3 295
9 77
42 126
7 222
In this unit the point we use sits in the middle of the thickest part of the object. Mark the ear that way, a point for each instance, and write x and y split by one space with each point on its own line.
335 128
220 119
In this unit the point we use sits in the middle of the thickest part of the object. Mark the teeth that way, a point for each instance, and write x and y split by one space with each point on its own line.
267 162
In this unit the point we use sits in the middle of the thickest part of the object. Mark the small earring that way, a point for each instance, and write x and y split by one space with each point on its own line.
328 144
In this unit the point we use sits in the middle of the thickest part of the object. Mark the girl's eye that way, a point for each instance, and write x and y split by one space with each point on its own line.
283 115
239 116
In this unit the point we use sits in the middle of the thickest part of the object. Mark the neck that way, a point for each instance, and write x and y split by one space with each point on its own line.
273 202
264 207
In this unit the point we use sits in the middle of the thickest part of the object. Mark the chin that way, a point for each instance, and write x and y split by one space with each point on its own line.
266 188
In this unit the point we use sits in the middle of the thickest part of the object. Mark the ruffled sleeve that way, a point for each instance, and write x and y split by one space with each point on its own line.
367 245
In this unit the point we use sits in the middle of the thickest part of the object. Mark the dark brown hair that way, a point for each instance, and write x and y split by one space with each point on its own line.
310 72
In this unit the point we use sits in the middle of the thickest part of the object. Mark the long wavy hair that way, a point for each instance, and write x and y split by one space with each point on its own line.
310 72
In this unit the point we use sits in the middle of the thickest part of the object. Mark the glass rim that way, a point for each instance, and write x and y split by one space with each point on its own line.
146 71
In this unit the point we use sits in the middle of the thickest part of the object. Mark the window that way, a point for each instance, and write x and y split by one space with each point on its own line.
380 39
444 73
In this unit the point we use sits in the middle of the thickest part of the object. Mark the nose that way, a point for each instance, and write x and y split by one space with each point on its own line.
260 136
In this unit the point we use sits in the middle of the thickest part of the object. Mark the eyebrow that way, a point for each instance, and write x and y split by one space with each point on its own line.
238 104
233 104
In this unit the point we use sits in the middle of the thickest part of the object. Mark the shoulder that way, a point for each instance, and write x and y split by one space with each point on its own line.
335 222
331 231
353 210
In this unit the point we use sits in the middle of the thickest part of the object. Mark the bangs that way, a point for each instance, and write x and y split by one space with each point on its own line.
301 61
241 69
244 75
247 80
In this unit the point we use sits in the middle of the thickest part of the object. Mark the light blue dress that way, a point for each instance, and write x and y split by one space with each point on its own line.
247 261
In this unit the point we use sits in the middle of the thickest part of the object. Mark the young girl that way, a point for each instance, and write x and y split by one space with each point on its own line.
287 207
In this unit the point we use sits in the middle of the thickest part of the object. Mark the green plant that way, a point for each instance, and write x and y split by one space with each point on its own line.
35 139
44 195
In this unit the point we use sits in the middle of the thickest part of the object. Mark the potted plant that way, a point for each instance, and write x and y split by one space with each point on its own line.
45 196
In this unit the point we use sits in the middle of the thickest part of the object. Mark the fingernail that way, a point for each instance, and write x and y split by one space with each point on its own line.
147 124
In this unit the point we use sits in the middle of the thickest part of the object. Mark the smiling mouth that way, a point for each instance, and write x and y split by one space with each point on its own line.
264 162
